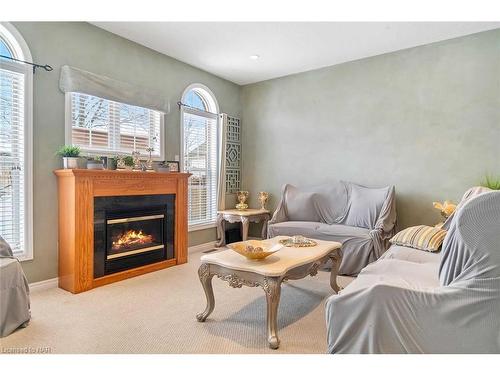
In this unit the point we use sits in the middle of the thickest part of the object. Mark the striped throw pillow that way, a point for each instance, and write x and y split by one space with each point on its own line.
421 237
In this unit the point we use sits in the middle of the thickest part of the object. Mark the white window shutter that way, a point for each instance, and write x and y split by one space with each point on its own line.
12 159
200 158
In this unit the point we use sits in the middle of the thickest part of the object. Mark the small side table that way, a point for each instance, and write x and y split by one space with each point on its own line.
244 217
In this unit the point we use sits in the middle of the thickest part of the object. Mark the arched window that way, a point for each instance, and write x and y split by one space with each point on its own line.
199 133
5 50
16 80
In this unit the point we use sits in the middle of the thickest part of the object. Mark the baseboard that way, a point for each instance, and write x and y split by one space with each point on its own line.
201 247
44 284
52 283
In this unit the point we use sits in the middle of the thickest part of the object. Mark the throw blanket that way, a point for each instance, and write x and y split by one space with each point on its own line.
458 316
14 292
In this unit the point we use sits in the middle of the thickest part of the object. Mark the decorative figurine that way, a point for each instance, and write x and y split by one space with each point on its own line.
120 162
149 162
137 163
263 198
242 197
446 208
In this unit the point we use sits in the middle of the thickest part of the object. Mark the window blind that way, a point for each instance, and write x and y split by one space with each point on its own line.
12 159
200 159
103 126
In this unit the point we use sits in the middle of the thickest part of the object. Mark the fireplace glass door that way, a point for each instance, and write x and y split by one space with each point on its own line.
134 233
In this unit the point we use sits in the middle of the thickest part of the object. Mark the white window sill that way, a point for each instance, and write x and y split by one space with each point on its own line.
23 257
194 228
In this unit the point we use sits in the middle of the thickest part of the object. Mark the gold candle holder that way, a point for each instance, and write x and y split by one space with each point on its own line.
242 197
263 198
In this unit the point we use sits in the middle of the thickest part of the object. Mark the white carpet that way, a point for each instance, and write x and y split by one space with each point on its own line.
155 313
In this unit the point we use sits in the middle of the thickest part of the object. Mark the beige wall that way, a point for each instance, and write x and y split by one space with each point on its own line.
426 119
85 46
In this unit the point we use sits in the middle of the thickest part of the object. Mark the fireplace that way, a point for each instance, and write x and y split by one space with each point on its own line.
132 231
134 234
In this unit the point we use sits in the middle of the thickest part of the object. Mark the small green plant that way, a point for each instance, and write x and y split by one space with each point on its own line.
492 183
69 151
95 158
129 161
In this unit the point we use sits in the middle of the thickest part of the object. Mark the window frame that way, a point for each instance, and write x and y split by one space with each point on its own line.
213 113
68 127
20 49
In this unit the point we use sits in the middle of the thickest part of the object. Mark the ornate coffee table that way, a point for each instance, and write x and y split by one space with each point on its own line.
287 264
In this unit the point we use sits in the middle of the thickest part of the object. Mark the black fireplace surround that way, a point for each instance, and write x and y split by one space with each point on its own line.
132 231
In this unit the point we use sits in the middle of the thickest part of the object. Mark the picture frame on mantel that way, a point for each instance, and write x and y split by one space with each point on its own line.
173 166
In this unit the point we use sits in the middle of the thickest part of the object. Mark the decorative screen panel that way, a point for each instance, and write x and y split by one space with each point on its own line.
233 154
233 179
233 129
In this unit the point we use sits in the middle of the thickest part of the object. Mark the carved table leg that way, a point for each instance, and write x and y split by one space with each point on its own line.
272 287
221 232
244 228
264 229
336 258
206 282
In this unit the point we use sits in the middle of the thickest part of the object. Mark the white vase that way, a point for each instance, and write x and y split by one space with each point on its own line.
70 162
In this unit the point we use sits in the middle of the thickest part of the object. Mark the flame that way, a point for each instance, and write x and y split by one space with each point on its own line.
132 238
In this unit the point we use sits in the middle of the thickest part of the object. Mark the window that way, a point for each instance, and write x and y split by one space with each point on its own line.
199 124
4 49
15 143
104 127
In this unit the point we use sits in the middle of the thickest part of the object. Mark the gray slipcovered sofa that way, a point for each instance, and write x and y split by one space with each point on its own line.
413 301
14 292
363 219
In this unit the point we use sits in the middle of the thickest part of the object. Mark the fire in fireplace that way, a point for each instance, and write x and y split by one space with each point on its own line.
131 239
132 231
134 234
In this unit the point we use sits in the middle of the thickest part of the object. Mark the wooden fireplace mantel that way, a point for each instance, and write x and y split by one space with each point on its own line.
77 189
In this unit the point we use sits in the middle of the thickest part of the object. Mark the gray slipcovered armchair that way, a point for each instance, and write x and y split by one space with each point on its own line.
413 301
14 292
363 219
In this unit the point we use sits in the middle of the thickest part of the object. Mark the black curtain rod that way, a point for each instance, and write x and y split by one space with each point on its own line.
181 104
48 68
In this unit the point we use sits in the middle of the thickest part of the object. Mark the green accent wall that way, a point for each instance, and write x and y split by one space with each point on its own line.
425 119
90 48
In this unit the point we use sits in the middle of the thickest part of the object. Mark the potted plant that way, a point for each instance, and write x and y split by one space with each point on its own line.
128 161
70 155
491 182
95 162
124 162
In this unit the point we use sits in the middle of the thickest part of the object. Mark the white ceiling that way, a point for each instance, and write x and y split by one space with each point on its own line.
224 48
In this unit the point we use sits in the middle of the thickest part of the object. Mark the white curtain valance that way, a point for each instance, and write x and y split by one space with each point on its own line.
77 80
